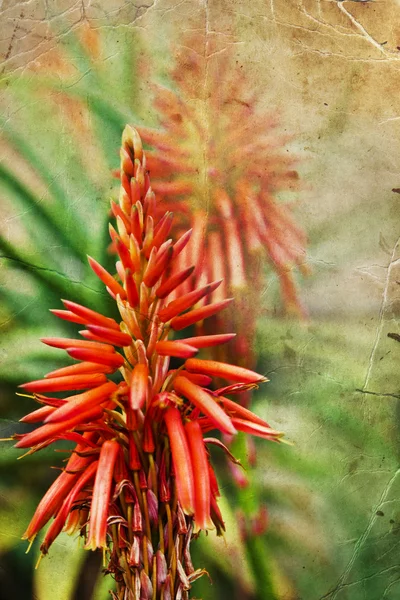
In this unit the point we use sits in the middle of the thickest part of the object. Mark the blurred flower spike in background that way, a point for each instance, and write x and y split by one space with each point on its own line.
139 483
219 162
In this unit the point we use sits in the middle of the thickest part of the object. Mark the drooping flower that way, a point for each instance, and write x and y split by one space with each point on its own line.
139 482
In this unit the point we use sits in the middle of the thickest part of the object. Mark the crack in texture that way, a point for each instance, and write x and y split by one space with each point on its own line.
332 595
381 319
30 266
49 26
329 20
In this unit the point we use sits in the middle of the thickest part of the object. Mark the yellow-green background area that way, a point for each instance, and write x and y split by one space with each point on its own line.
330 72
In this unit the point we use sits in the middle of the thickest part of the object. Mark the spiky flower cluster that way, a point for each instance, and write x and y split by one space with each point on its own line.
219 162
139 482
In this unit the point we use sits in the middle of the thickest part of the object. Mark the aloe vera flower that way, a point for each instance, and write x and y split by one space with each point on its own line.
219 161
139 482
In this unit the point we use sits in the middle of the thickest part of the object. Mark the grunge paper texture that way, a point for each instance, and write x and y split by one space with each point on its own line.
318 83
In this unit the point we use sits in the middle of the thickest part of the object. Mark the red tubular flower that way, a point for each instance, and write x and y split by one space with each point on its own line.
101 495
82 402
140 474
181 458
178 349
58 491
58 524
218 369
202 486
138 389
50 432
204 401
64 384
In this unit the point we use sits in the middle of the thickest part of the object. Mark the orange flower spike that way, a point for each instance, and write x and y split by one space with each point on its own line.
138 387
181 459
205 402
219 369
147 431
202 489
102 495
80 403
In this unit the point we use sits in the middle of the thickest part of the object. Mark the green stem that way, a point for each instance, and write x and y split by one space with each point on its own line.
257 554
256 548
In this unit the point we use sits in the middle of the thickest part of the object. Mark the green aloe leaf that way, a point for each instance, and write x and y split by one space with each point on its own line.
44 217
55 282
57 572
46 173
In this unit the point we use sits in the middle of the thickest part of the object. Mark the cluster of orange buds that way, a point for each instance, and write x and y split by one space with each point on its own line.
139 482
